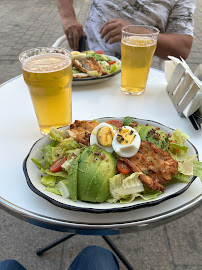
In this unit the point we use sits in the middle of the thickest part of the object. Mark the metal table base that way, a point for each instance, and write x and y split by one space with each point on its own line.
40 252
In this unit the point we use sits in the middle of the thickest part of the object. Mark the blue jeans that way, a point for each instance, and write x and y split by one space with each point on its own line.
95 258
11 265
90 258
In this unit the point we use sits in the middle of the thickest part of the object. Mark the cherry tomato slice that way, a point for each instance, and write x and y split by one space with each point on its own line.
112 62
123 167
56 166
100 52
115 123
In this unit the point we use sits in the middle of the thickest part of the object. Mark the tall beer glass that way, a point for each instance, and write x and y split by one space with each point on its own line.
138 45
48 75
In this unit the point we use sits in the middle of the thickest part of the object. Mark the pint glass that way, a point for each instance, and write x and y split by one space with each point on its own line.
138 45
48 75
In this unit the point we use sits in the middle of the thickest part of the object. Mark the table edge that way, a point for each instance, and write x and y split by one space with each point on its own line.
104 229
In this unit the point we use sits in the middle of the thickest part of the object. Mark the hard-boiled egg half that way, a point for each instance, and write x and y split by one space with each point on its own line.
126 142
102 135
78 55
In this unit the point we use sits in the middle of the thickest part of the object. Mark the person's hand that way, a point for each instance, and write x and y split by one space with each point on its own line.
73 31
111 30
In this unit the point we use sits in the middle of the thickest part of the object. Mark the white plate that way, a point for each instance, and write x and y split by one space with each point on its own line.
92 80
33 177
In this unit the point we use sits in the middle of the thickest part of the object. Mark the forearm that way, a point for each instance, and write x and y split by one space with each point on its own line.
72 28
66 9
173 44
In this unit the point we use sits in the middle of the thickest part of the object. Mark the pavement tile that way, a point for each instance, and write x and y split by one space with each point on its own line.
20 240
184 236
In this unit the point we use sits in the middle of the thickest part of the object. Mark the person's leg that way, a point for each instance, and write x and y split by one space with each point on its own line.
11 265
95 258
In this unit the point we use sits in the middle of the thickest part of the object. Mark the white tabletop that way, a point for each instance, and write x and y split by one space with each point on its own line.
19 130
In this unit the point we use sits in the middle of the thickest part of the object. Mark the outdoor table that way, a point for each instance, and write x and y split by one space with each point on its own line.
19 131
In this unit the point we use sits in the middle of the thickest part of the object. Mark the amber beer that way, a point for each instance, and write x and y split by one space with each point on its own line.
136 54
48 77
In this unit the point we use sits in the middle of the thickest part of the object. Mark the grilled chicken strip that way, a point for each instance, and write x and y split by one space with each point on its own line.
81 131
157 166
92 64
77 64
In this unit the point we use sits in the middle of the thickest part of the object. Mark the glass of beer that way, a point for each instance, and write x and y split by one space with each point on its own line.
138 44
48 75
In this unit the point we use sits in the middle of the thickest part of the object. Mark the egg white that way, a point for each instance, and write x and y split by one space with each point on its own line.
130 150
93 137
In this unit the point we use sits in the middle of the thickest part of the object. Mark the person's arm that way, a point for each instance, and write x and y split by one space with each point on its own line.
72 28
168 44
177 45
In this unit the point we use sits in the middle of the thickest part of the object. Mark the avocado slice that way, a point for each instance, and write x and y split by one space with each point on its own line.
159 138
95 168
72 179
98 188
86 169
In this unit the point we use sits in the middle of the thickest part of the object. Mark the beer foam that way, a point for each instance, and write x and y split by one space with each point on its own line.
138 41
45 63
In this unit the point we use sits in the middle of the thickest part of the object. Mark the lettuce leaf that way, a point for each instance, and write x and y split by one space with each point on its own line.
54 190
178 150
38 163
61 174
128 198
57 152
63 188
46 156
68 144
181 177
48 181
197 169
179 137
115 67
122 185
152 194
56 134
127 121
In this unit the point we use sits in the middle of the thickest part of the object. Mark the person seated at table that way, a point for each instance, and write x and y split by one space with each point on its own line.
90 258
103 27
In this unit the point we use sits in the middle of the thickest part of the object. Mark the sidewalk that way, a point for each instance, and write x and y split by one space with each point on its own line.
175 246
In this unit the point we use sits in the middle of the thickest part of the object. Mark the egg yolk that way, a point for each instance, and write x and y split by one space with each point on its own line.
105 136
125 136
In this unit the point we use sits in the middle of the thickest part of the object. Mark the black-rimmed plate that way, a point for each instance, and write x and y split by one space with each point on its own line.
33 177
95 80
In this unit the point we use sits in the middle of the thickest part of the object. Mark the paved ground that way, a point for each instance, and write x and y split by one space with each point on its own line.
176 246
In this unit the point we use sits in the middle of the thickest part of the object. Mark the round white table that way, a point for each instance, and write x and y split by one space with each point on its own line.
19 131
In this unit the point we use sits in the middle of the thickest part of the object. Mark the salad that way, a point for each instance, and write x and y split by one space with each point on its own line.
114 161
93 64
